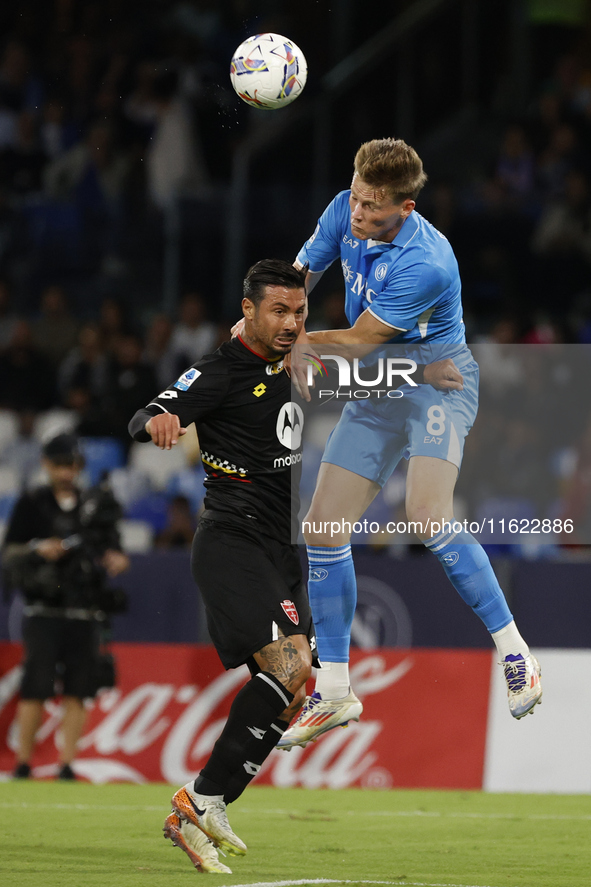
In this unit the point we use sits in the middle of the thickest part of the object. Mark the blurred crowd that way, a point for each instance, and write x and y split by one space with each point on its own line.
101 371
521 226
108 112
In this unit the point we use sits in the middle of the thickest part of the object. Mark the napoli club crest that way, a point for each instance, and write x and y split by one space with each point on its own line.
290 611
381 271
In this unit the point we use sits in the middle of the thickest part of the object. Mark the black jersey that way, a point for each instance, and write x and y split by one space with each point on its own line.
250 434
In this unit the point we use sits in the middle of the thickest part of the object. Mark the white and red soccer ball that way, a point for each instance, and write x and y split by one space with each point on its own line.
268 71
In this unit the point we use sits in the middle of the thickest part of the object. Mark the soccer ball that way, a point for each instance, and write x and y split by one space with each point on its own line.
268 71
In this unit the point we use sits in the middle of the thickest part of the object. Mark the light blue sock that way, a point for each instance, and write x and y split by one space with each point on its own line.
468 569
332 589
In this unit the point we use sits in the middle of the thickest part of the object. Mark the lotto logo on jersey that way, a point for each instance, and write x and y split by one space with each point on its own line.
289 608
187 379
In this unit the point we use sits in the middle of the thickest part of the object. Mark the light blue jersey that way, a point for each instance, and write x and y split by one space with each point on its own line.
412 284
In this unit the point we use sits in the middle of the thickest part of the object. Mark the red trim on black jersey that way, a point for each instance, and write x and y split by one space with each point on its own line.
253 352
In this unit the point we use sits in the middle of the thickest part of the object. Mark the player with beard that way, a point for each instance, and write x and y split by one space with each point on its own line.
247 570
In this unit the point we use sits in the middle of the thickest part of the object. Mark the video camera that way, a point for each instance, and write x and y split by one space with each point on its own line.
78 579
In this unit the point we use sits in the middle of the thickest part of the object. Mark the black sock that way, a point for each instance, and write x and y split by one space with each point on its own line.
248 733
257 753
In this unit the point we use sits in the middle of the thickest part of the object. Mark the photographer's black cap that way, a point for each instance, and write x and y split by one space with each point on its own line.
64 448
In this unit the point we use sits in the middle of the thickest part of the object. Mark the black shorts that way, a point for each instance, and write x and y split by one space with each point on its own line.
252 588
62 649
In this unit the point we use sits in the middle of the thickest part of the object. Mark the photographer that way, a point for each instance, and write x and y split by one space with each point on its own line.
61 547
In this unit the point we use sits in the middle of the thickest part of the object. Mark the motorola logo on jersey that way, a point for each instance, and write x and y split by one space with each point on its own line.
290 424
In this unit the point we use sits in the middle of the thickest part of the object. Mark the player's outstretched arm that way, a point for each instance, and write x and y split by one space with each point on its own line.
369 332
165 430
366 331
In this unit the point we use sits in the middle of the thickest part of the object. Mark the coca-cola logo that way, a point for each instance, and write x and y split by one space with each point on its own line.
165 731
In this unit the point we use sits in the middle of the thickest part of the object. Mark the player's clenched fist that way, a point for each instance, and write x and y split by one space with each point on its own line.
165 430
444 374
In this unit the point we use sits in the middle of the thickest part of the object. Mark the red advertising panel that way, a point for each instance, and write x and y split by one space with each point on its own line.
424 720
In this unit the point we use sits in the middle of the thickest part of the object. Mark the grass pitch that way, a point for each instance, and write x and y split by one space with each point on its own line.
63 835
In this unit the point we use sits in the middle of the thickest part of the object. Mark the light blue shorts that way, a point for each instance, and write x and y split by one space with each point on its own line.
371 437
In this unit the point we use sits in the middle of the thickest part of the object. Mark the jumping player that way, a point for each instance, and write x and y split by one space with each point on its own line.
248 573
402 285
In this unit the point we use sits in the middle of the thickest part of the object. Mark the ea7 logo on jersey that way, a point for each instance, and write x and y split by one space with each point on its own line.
289 608
187 379
290 424
350 242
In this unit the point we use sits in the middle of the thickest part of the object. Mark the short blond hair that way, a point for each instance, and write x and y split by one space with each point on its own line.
393 165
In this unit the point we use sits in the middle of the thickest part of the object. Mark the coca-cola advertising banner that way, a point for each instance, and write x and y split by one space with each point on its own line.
171 701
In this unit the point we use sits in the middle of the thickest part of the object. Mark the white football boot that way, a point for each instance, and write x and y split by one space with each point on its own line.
524 689
195 843
318 716
208 813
